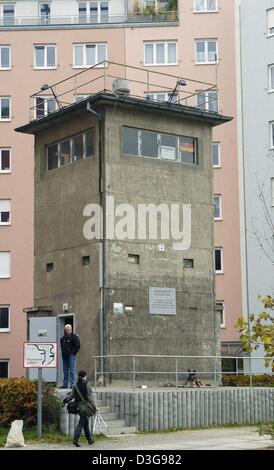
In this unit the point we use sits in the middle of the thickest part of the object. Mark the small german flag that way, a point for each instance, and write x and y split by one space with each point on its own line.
187 147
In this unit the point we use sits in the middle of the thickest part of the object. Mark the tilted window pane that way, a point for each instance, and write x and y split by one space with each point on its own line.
200 51
77 148
160 53
101 50
148 53
172 53
212 101
52 157
149 144
130 141
211 4
64 152
212 51
39 56
215 154
217 207
89 143
187 148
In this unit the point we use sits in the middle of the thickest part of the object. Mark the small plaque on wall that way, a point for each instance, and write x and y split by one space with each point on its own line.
118 308
162 301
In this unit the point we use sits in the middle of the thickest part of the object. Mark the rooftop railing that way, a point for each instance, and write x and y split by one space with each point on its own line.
161 16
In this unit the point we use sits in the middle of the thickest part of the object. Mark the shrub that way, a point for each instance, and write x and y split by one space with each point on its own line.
18 400
244 381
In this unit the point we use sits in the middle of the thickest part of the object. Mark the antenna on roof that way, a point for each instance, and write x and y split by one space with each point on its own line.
179 82
45 87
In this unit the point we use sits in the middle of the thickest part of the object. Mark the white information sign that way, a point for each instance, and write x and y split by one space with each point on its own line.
40 355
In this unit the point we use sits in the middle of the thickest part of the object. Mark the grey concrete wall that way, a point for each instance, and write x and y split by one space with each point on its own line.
163 410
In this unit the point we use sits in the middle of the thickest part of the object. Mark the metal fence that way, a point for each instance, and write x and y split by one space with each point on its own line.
210 368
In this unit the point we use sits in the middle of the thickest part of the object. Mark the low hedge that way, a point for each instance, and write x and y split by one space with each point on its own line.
18 400
244 381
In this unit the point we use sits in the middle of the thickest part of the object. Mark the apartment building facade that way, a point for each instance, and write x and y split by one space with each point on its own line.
43 43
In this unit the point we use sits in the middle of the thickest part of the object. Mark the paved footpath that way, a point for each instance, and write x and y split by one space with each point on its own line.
243 438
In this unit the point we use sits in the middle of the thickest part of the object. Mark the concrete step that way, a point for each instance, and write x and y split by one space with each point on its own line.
109 416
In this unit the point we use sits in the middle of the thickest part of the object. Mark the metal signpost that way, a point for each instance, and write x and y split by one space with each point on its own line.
40 355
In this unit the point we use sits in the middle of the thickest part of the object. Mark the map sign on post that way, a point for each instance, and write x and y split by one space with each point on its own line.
40 355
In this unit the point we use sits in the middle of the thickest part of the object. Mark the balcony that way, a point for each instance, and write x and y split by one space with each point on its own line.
131 17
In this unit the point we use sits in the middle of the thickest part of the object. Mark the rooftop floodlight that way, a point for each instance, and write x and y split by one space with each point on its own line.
179 82
44 87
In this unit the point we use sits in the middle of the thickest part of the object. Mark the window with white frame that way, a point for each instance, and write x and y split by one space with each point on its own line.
160 53
271 127
93 12
4 318
86 55
217 207
45 12
5 264
162 96
44 105
220 310
5 160
70 150
271 77
206 51
5 211
145 143
205 5
4 369
5 62
45 56
208 100
7 14
270 21
272 192
5 105
219 265
216 154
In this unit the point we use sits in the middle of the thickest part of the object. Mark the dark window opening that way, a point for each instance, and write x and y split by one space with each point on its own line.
85 260
188 263
49 267
4 370
134 259
4 317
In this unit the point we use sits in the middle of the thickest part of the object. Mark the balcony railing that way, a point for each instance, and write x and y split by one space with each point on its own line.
163 16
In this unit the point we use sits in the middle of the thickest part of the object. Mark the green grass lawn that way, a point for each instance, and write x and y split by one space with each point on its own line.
49 435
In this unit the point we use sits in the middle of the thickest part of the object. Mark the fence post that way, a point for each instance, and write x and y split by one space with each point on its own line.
215 372
133 372
250 372
176 366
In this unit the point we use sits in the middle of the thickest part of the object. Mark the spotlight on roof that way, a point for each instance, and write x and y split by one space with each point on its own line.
181 82
44 87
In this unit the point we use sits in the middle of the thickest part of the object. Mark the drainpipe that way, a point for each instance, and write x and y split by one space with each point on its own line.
101 276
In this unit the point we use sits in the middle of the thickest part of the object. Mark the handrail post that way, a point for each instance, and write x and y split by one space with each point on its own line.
215 372
250 372
104 75
133 372
176 368
95 373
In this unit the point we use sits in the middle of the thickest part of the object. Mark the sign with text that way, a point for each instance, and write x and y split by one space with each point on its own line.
40 355
162 301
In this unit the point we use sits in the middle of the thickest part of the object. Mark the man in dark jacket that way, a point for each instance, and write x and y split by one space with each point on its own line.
70 345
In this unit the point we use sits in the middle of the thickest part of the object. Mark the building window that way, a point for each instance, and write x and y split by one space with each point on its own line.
45 13
5 212
44 106
271 134
272 192
205 5
188 263
162 96
271 77
5 58
5 265
217 207
216 155
151 144
134 259
4 369
85 260
7 13
72 149
208 100
86 55
45 57
49 267
5 164
4 318
206 51
93 12
160 53
270 21
219 268
220 310
5 113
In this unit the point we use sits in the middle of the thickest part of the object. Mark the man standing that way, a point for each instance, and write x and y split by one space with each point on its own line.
70 345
